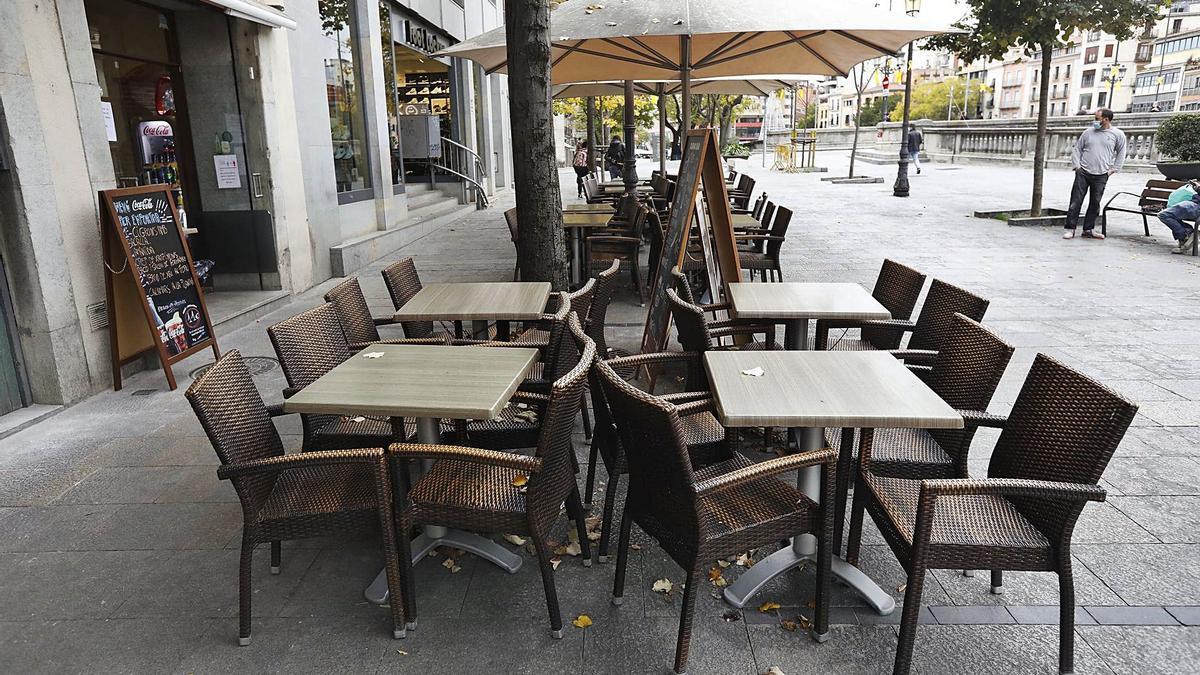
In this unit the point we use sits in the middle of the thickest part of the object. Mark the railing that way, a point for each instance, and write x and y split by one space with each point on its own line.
461 161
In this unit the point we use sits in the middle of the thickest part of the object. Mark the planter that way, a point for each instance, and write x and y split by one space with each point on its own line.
1179 170
1021 217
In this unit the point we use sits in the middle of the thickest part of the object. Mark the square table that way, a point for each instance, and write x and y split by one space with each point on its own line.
589 208
573 222
427 382
745 221
807 391
794 304
500 301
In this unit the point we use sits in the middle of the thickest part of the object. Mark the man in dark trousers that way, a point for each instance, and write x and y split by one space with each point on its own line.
1098 154
915 140
614 158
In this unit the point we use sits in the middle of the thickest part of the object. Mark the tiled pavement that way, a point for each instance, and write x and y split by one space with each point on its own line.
118 544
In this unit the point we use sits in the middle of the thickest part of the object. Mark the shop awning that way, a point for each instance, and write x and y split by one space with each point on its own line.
251 10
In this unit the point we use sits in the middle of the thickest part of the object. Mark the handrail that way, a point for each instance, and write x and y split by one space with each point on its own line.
459 160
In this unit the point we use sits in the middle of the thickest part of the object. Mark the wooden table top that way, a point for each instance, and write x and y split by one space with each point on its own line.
586 219
419 381
862 390
589 208
745 220
804 301
490 301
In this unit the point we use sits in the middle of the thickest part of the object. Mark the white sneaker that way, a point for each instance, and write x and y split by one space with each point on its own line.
1185 246
1069 234
1089 234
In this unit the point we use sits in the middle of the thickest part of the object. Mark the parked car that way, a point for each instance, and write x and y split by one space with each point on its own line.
643 152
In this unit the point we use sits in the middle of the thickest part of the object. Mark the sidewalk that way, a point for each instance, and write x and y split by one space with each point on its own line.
119 551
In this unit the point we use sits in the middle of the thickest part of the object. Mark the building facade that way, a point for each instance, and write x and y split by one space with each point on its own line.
304 139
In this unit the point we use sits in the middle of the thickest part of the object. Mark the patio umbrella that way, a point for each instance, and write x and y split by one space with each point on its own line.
656 39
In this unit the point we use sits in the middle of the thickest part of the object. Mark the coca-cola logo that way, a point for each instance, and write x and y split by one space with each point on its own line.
162 129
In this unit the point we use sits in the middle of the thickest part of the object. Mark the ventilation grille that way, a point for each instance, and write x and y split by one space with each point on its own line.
97 316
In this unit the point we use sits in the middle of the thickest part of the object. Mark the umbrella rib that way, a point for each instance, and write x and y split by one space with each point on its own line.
792 38
565 52
725 46
657 54
866 43
663 62
617 57
822 59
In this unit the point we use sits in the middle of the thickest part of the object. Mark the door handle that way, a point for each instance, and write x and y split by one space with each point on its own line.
256 185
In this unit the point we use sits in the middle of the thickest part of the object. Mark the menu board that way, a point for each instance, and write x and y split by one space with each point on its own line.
144 223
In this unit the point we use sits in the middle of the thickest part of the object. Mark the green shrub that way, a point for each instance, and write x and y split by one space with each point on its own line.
1179 137
735 149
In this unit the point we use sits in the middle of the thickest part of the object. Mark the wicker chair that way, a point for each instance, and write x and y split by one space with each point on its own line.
309 345
294 496
698 334
473 489
1055 444
965 374
723 510
934 322
510 217
360 328
702 433
766 262
624 246
403 283
897 288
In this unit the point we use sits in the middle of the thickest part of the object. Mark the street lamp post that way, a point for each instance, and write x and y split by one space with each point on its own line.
900 189
1112 76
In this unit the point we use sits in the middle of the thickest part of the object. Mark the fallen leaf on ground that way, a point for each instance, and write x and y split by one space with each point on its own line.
635 547
732 615
401 652
662 586
555 562
514 539
582 621
744 560
774 670
901 588
788 625
572 549
520 480
811 604
723 563
768 606
805 623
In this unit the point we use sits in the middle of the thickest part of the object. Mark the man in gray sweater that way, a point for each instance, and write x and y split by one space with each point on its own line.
1098 154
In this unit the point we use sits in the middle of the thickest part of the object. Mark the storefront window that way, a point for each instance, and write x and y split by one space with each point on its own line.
389 87
346 124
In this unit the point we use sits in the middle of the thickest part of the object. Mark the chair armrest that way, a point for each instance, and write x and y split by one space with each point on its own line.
886 324
741 329
1131 194
385 321
1012 487
679 398
299 460
976 418
609 239
915 357
771 467
530 397
505 460
758 237
276 410
706 404
289 392
356 347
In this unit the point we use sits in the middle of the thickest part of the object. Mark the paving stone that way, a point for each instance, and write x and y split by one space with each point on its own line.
1146 574
355 643
972 614
1171 519
1024 588
102 645
1165 650
1154 476
1046 615
1132 616
1188 616
869 617
333 584
863 649
1102 523
1189 389
647 644
168 527
72 584
997 649
1172 413
54 528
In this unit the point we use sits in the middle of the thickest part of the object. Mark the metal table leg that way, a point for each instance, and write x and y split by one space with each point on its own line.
436 535
804 547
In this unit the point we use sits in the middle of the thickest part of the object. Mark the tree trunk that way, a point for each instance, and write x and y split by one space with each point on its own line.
591 134
541 249
858 86
1039 152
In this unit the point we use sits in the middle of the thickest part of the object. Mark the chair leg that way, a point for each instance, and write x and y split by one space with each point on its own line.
593 452
575 509
684 641
997 582
637 280
245 592
622 558
826 545
908 620
276 554
517 271
407 582
610 505
856 522
544 555
1066 617
843 482
587 421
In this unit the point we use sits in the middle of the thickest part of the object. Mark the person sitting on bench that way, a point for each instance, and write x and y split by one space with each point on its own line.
1183 204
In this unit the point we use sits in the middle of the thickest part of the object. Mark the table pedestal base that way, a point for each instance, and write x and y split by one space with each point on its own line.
433 537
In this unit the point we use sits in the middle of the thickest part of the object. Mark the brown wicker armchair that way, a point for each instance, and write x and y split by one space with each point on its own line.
473 489
1055 444
284 496
932 326
403 283
965 374
697 333
897 288
701 516
360 328
765 261
621 245
702 433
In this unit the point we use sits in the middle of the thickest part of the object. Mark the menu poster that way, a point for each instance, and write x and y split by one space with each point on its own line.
146 224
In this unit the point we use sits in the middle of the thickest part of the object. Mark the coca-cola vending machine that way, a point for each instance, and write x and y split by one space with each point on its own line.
160 165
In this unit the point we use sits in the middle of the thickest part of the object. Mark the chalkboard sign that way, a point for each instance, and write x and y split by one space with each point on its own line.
149 264
700 164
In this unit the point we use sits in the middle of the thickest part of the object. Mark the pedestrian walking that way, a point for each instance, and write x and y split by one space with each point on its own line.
915 140
1098 154
614 158
580 163
1183 204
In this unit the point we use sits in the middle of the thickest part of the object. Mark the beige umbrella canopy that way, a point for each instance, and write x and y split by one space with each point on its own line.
732 86
660 39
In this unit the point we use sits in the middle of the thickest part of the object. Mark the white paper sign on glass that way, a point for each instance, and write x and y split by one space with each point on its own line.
227 172
110 123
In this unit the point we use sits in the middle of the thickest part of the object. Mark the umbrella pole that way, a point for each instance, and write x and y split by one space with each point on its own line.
591 134
685 77
662 131
631 178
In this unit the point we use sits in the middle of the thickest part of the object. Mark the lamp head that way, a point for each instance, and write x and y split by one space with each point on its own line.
912 7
